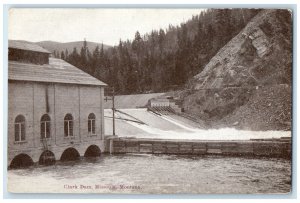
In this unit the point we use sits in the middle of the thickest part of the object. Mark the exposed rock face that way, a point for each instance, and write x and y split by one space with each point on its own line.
259 57
260 42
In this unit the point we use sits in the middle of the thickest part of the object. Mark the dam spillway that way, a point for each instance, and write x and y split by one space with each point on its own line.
171 134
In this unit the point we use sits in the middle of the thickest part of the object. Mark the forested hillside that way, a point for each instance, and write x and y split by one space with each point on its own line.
230 67
247 84
162 60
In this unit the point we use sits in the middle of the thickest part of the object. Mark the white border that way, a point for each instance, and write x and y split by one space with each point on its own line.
118 2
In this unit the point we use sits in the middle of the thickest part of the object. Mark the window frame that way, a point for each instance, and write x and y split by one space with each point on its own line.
18 125
92 124
47 124
70 123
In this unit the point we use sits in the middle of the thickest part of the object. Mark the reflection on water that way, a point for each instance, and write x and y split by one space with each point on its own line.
153 174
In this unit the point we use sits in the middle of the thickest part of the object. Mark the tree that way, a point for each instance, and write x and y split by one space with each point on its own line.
66 55
62 55
136 42
161 39
162 59
84 54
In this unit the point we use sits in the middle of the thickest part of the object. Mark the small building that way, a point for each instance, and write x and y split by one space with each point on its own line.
159 102
164 103
55 110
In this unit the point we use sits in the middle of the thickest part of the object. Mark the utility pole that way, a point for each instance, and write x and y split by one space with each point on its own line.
113 112
113 108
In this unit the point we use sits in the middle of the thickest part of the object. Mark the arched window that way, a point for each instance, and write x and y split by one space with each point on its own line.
92 124
20 128
45 126
68 125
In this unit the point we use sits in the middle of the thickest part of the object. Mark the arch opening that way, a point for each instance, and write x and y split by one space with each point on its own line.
20 130
45 126
47 158
92 151
68 125
21 161
70 154
92 124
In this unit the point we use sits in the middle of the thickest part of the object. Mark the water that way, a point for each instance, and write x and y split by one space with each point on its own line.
170 127
151 174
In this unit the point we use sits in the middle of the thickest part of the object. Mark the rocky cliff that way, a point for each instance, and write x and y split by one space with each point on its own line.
247 84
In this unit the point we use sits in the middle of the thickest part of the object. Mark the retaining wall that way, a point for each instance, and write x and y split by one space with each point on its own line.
270 148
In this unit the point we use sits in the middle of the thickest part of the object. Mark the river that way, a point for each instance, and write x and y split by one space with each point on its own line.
152 174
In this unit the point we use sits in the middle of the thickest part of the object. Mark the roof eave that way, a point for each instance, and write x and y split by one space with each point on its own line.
70 83
44 52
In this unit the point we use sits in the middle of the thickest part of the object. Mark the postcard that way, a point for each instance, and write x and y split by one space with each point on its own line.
150 100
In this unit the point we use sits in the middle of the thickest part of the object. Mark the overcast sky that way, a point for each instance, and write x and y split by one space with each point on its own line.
97 25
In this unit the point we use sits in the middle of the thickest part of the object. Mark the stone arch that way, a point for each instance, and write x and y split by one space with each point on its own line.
70 154
92 151
21 161
47 158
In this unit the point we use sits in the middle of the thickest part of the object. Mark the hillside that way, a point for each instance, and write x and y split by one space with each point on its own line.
162 60
247 84
59 46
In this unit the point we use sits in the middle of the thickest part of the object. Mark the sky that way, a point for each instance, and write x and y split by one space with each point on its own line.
96 25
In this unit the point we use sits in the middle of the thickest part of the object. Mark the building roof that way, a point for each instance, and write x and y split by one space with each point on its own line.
57 71
23 45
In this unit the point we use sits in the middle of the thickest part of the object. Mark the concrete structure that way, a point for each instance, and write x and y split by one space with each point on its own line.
161 104
265 147
55 110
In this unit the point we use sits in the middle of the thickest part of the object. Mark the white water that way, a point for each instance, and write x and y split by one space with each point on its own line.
179 124
185 131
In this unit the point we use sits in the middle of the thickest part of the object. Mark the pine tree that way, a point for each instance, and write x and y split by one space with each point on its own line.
83 54
66 55
162 59
62 55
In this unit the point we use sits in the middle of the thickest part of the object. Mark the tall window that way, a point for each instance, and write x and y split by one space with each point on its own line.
68 125
20 128
92 124
45 126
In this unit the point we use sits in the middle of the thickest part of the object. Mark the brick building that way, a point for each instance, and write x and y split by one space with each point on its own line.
55 110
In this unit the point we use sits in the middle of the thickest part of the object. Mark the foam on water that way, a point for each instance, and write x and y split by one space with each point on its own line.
183 131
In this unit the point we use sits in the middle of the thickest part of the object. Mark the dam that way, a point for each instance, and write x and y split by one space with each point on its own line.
142 131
